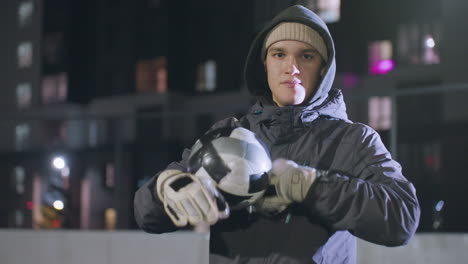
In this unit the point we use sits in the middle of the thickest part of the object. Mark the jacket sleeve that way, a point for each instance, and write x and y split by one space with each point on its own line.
149 210
372 200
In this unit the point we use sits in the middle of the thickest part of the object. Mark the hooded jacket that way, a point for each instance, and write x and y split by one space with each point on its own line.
362 192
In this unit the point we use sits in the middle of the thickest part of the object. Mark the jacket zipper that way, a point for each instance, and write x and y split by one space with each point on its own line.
291 119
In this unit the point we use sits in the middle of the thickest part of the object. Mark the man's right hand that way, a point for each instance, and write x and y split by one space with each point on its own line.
190 200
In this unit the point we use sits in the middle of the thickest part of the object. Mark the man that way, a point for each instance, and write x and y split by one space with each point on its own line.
334 180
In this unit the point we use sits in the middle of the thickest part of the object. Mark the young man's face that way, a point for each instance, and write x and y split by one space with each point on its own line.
293 70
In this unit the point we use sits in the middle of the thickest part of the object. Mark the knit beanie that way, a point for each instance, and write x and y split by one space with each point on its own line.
295 31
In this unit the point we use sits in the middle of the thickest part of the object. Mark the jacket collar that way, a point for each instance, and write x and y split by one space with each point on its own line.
333 107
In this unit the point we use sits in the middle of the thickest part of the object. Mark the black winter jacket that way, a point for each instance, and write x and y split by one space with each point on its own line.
361 194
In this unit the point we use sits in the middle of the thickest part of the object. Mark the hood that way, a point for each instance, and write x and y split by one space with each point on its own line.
254 73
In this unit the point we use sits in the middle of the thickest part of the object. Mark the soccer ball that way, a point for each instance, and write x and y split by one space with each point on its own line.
236 160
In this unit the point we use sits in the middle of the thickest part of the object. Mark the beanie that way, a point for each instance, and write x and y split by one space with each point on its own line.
295 31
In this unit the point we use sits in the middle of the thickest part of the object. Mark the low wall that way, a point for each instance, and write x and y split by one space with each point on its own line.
101 247
134 247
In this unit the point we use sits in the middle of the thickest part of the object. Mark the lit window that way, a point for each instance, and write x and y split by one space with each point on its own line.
19 176
19 218
328 10
110 175
62 86
54 88
206 76
25 54
25 13
380 112
110 218
23 95
35 204
151 75
22 133
419 44
380 57
429 55
92 133
49 89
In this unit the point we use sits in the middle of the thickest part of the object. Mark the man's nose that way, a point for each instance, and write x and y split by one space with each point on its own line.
292 67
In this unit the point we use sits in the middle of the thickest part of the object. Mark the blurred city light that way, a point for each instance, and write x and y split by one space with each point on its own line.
430 43
350 80
55 223
381 67
58 205
380 57
58 162
439 205
65 172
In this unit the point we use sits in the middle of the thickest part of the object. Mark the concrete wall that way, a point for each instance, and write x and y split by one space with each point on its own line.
81 247
428 248
101 247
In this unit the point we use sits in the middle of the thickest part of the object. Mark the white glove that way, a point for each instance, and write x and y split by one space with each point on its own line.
291 182
189 199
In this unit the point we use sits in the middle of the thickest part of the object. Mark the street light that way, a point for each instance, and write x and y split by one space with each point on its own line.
58 205
58 162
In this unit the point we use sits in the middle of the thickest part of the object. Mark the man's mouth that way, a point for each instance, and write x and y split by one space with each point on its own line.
291 82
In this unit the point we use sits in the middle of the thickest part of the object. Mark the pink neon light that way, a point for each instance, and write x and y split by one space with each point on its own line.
349 80
381 67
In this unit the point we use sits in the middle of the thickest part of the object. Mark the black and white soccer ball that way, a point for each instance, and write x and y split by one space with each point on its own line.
236 160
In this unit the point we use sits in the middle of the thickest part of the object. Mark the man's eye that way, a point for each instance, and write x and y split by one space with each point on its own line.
308 56
278 55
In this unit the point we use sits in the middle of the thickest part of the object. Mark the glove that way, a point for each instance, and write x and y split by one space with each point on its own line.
189 199
291 183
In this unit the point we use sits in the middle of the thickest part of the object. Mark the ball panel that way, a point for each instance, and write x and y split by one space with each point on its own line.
243 135
196 147
230 146
208 158
252 152
258 183
236 181
236 159
259 157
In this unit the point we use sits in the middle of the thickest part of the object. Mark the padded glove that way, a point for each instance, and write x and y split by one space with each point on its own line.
291 183
190 200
